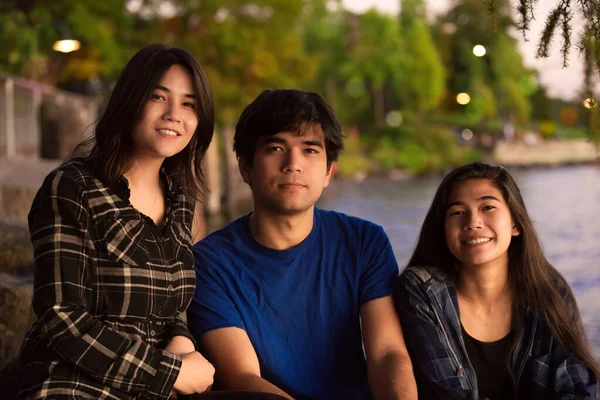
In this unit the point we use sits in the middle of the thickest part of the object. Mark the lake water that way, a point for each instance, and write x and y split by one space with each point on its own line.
563 202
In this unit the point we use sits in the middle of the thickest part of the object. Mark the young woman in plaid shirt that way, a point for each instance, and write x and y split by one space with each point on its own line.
485 315
112 239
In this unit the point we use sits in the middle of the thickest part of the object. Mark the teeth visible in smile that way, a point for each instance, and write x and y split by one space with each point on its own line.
168 132
477 241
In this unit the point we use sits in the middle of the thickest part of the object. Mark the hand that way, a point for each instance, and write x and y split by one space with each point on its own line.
180 345
196 374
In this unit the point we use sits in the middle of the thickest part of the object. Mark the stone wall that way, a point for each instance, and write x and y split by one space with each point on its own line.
16 285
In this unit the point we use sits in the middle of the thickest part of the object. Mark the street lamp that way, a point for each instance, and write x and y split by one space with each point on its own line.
65 43
479 51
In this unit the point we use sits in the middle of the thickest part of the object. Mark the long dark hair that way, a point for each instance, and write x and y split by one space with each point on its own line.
534 282
112 138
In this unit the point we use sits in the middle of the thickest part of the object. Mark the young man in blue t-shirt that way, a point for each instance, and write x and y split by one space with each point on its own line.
287 296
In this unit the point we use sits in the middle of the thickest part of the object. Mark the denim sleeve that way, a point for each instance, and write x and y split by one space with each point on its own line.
438 372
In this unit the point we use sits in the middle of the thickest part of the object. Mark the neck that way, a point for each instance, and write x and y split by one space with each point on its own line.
484 285
144 172
280 232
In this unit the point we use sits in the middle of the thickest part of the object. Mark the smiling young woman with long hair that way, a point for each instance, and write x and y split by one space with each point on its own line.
485 315
111 232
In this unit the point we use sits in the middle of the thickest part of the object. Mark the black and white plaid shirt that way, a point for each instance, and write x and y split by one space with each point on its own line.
108 291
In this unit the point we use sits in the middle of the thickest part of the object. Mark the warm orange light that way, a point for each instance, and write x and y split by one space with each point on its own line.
66 46
589 103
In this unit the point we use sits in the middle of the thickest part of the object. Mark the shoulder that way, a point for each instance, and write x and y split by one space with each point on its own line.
75 173
69 181
348 224
424 278
222 241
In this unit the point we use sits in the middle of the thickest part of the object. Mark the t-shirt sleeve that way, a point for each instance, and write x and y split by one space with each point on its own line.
379 266
211 307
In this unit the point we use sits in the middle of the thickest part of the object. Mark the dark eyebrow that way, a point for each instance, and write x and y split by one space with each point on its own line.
482 198
275 139
164 89
315 143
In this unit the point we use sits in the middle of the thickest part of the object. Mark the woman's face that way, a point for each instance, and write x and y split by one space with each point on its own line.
170 117
478 224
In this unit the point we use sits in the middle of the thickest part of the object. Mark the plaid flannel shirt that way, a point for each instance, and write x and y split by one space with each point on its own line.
427 303
108 289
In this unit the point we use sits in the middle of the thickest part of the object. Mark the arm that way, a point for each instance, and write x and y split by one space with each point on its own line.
62 245
434 364
235 361
215 322
388 364
572 378
177 328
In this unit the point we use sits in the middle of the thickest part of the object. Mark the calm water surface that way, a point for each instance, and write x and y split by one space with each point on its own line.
563 202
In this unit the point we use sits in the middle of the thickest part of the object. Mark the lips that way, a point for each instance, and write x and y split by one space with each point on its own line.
476 241
168 132
292 185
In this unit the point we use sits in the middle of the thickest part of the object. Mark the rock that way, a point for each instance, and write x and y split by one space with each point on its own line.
16 252
16 315
20 179
9 378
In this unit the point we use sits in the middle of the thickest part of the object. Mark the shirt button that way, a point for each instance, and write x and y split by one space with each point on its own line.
170 287
152 333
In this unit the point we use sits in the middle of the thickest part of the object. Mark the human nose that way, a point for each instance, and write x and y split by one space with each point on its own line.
292 162
172 113
472 221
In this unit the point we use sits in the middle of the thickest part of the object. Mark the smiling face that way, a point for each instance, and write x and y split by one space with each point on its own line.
478 224
288 172
170 118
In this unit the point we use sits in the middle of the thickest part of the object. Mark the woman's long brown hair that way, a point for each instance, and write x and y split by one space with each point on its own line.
112 138
535 284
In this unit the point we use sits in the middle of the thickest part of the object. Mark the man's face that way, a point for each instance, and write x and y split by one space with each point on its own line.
289 171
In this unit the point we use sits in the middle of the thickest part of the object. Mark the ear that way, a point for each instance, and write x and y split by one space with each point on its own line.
515 230
329 173
244 170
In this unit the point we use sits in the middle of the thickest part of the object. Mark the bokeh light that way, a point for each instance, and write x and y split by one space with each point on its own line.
479 51
467 134
568 116
463 98
66 46
394 119
589 103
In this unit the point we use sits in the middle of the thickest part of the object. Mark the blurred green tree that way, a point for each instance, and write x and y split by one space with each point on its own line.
422 83
499 84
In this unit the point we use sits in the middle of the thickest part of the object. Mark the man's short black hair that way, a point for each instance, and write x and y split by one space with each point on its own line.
286 110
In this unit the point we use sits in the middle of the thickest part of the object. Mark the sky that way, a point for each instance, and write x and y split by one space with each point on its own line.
560 82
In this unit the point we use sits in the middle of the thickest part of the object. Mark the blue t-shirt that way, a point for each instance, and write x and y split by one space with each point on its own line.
301 306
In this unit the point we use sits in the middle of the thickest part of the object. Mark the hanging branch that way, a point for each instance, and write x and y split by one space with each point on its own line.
493 11
561 17
525 11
